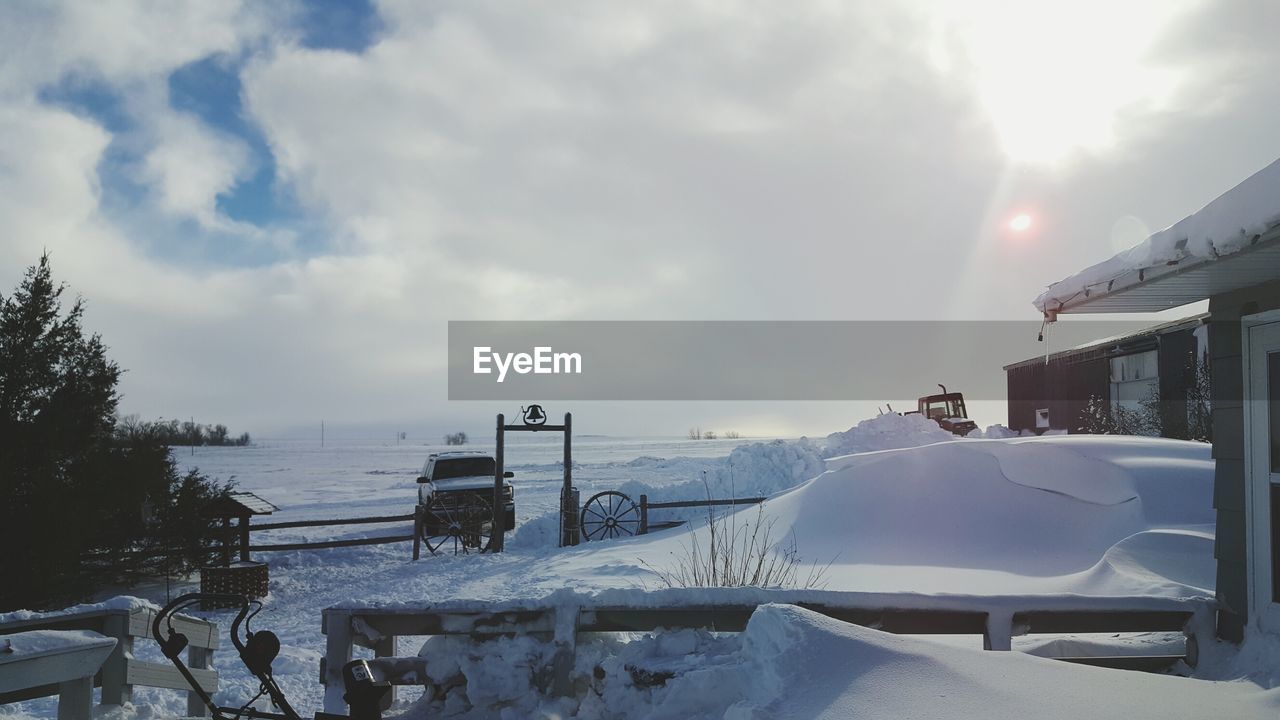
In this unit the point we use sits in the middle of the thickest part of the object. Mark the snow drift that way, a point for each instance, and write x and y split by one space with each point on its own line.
1107 516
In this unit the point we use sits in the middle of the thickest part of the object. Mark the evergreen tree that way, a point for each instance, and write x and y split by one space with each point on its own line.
85 505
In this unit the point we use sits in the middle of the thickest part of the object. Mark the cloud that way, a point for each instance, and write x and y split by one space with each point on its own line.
493 160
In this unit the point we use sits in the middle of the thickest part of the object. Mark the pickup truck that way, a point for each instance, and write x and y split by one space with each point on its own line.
463 479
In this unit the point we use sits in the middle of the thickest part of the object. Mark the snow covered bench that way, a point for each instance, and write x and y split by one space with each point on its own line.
563 615
121 621
65 660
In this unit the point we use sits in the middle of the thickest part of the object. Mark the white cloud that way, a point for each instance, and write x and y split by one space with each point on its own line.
490 160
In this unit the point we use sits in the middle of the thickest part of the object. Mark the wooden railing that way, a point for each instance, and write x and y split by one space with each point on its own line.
646 506
996 619
122 670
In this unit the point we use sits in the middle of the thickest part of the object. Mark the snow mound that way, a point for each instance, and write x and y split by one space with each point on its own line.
1066 514
799 664
755 470
886 432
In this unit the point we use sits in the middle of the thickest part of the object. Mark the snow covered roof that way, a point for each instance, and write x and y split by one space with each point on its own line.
1231 243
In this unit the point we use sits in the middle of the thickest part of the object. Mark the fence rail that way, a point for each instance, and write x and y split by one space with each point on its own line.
122 671
646 506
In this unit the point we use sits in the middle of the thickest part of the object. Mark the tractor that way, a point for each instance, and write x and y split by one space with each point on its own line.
947 409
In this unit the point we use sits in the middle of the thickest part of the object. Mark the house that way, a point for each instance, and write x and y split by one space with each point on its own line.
1228 253
1055 393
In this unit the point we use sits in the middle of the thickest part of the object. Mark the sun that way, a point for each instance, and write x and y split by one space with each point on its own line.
1020 223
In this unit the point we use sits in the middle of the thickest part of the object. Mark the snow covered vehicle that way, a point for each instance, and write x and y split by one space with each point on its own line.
947 409
455 502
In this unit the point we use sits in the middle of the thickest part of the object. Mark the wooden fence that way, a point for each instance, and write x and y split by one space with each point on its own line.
646 506
996 619
122 670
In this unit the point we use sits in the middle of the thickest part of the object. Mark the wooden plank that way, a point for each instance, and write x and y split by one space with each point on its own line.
331 544
1142 663
200 633
150 674
474 624
325 523
30 693
707 503
1101 621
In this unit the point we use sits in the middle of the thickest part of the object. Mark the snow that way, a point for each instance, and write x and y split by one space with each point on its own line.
793 663
24 645
1227 225
894 508
887 432
1065 514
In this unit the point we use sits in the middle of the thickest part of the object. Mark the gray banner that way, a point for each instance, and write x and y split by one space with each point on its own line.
750 360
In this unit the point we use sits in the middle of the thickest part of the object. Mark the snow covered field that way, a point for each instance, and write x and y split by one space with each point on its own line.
1072 515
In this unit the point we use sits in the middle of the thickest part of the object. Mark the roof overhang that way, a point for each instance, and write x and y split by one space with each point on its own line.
1181 282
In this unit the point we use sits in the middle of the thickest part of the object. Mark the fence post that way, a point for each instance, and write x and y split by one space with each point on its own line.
200 658
115 690
644 514
337 629
75 698
417 531
386 647
999 634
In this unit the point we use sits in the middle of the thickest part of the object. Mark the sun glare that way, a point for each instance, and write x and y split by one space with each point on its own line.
1056 77
1020 223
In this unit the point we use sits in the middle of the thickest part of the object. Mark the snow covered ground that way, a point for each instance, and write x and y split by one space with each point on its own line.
892 505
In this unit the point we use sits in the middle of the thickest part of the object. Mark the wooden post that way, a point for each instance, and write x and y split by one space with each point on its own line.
244 538
568 506
386 647
644 515
201 659
999 634
75 699
115 690
498 540
226 541
417 531
337 629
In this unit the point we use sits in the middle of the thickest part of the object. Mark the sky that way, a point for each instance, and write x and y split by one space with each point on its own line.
274 209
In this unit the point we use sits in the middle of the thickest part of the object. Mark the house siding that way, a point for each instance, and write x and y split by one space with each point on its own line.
1069 379
1226 361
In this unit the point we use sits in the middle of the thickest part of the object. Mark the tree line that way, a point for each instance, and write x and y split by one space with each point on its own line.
186 432
91 501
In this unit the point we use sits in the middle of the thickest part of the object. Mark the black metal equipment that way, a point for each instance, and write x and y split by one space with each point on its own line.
257 651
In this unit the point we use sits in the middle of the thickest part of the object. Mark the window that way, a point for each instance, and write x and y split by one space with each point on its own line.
1134 378
463 467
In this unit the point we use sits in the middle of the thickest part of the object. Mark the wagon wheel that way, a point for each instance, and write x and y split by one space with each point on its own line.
460 525
609 514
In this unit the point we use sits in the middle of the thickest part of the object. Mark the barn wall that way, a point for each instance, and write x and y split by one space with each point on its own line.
1063 385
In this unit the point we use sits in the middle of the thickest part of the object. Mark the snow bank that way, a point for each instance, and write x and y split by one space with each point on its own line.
793 663
1227 225
1101 516
886 432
